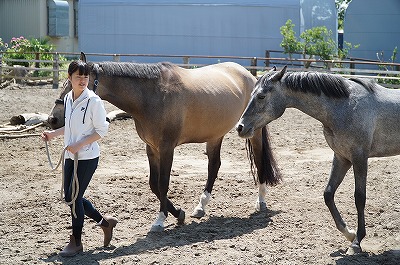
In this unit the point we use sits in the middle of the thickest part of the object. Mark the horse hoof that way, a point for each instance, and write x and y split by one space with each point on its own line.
261 206
198 213
181 217
353 250
156 228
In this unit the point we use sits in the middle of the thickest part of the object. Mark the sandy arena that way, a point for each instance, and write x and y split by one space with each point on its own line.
296 229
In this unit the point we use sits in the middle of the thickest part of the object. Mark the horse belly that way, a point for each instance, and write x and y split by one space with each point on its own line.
207 127
385 146
386 137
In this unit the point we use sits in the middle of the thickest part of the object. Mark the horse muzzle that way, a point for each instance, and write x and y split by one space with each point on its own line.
243 131
53 122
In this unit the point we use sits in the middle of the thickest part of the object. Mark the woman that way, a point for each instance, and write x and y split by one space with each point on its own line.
85 123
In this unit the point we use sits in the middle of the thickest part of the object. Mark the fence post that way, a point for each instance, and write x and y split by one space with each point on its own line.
186 60
253 63
1 67
37 64
352 66
267 55
56 69
116 58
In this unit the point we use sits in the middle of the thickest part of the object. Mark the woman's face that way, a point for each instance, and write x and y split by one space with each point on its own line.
79 82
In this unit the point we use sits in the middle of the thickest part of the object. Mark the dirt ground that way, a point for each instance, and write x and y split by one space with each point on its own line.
297 228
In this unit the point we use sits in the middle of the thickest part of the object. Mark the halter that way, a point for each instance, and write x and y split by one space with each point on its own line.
96 79
59 101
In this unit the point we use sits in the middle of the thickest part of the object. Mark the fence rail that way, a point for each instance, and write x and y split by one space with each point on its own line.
370 69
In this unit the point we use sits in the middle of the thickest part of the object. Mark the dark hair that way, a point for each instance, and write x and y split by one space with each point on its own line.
80 66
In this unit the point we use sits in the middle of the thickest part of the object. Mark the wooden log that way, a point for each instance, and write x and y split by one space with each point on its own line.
29 118
19 128
14 136
19 71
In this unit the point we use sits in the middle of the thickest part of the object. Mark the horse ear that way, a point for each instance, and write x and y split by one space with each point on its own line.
83 57
273 69
278 76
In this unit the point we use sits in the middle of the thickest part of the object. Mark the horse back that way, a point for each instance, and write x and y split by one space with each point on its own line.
209 100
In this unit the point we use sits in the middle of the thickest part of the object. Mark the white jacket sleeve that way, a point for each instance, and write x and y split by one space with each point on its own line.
99 117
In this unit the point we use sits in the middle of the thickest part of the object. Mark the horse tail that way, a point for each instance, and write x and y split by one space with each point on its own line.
268 167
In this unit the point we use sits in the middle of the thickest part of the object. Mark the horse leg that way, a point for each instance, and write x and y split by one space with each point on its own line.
360 168
213 149
340 166
154 163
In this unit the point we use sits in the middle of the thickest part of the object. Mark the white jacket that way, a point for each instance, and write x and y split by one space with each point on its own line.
83 117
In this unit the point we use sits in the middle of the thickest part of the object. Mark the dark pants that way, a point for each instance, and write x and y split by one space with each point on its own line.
86 169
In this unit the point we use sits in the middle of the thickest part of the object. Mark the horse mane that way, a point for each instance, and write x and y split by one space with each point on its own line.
135 70
314 82
369 84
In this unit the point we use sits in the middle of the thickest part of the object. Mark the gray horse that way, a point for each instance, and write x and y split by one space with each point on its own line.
360 120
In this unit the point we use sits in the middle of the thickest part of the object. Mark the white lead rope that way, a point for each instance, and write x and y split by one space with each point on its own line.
75 181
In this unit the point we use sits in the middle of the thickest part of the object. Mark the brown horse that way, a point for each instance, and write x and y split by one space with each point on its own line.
171 106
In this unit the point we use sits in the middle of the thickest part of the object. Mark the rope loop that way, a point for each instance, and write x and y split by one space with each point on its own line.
75 181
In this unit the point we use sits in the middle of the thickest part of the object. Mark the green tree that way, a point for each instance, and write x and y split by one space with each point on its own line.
341 6
317 41
289 43
313 42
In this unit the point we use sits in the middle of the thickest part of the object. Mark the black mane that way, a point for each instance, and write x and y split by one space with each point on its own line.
368 83
331 85
135 70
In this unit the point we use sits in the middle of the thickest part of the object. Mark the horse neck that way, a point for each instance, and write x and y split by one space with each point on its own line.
120 94
313 105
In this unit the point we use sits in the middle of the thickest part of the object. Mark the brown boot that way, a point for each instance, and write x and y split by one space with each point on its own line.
108 231
72 248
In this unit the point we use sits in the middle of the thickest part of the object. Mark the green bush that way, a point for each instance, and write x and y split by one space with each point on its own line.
16 50
389 68
3 45
29 49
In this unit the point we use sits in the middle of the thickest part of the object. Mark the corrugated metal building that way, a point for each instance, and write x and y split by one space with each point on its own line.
375 26
41 18
195 27
174 27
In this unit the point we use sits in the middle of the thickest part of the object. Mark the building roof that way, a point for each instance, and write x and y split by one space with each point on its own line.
198 2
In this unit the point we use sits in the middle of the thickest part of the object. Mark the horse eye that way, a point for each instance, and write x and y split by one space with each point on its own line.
261 96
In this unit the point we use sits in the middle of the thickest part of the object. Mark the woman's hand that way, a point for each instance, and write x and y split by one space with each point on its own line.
48 135
74 148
